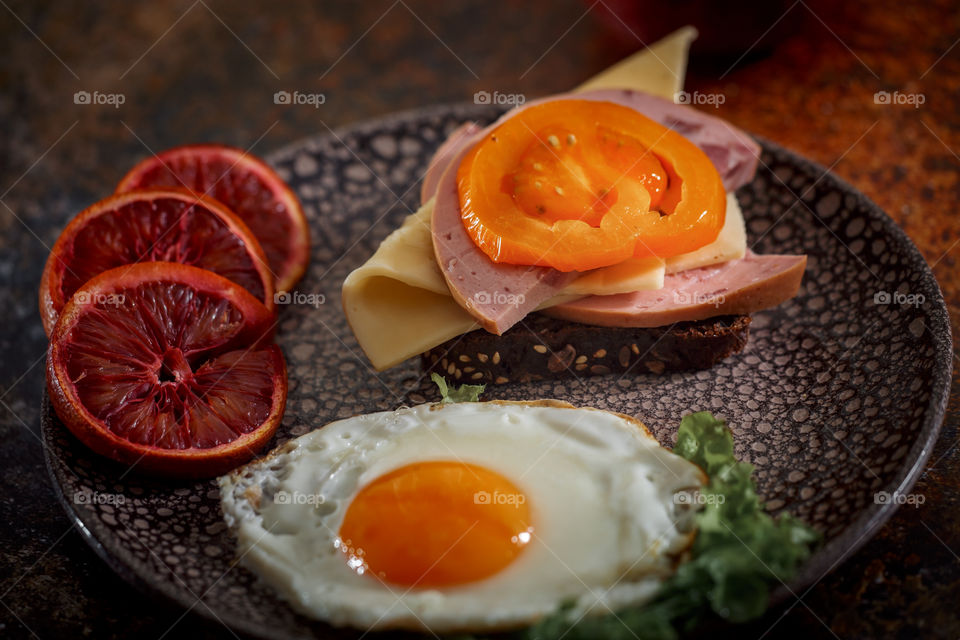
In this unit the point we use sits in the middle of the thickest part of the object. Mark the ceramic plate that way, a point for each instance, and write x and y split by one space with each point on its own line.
838 396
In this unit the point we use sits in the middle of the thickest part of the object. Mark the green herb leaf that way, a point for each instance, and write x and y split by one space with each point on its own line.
463 393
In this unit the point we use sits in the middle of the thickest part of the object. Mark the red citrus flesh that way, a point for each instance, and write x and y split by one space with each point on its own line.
248 187
170 225
168 368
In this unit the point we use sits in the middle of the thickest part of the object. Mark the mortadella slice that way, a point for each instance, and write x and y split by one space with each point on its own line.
498 295
441 159
737 287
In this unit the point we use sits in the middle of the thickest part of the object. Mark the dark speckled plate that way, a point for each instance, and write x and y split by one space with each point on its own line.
838 396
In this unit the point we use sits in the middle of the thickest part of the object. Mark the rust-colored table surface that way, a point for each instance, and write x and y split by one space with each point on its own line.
194 70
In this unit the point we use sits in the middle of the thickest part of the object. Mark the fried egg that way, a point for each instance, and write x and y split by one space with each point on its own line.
467 516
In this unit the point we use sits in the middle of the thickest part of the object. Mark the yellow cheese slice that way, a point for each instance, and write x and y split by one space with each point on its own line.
398 304
407 255
641 274
731 243
635 274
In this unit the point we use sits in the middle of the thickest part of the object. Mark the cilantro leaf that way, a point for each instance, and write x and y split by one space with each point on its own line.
463 393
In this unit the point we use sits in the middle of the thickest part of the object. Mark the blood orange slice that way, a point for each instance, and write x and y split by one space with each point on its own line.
248 187
170 225
169 368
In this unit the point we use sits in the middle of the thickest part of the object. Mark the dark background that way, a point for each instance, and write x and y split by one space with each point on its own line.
207 70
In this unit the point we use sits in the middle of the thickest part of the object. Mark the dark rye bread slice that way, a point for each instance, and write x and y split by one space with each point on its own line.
541 348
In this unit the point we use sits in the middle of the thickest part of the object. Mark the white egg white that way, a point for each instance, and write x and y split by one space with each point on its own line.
607 528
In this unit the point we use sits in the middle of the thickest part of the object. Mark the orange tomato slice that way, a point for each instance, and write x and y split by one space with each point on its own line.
578 185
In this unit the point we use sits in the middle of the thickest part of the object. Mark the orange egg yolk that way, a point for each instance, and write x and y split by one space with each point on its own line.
435 524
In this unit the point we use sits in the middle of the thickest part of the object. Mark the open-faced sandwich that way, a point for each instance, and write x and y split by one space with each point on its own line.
590 232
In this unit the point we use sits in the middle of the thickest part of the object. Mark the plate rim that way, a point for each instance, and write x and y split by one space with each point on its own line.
831 555
933 417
